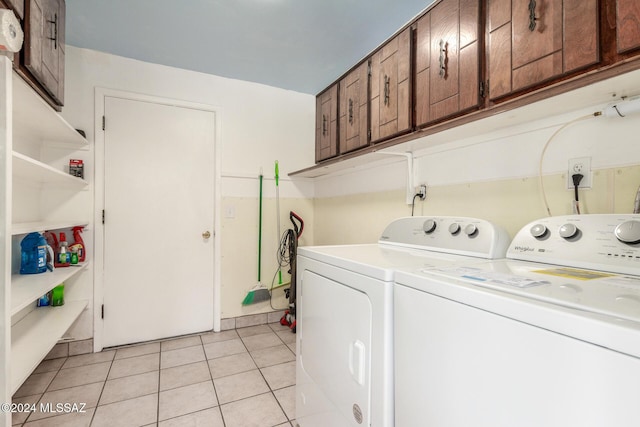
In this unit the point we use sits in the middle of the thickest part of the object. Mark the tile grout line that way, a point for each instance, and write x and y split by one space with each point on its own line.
265 379
104 384
215 391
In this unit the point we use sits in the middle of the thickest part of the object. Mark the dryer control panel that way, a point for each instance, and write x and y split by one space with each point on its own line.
608 242
454 235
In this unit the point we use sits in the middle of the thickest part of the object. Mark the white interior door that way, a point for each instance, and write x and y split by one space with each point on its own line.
159 207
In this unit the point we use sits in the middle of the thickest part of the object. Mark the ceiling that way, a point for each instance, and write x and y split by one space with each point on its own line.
299 45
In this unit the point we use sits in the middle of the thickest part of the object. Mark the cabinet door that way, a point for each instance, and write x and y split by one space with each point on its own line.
44 47
326 124
390 90
539 41
353 109
628 25
447 60
18 7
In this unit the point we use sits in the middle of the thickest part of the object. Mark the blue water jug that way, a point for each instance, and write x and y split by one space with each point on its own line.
34 254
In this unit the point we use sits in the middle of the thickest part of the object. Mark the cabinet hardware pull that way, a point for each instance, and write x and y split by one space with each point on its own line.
532 15
387 89
55 30
350 111
443 59
324 125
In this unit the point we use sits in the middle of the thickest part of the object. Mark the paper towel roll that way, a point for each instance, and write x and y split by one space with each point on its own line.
11 35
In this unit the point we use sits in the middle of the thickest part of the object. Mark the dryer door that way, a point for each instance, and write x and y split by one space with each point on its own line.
334 359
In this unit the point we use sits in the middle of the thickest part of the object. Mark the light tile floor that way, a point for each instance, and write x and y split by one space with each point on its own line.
237 378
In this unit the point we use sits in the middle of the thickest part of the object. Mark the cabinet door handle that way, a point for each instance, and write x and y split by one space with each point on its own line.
443 59
387 89
324 125
55 30
350 111
532 15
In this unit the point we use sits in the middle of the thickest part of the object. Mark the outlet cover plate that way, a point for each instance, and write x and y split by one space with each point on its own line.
579 165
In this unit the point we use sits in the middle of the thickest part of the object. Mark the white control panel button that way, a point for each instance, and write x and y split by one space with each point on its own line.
454 228
471 230
429 226
538 230
628 232
568 231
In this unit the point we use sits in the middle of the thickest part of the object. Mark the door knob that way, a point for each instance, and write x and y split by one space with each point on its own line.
206 234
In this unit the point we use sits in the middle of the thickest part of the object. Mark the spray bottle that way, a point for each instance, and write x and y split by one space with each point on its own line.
78 243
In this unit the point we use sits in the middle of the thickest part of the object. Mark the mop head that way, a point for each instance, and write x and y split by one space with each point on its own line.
258 293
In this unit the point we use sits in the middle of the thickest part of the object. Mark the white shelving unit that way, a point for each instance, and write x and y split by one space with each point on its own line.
28 227
36 334
25 289
35 330
34 119
34 171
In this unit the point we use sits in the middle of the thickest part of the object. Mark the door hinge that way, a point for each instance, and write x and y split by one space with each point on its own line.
102 312
103 123
481 89
103 216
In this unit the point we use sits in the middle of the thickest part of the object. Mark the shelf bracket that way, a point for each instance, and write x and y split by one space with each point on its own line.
410 172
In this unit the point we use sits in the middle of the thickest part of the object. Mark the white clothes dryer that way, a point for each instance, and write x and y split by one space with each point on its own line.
344 368
548 337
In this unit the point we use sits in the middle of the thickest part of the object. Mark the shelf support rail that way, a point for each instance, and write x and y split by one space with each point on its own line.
410 172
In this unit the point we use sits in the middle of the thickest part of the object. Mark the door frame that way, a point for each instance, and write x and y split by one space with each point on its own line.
99 182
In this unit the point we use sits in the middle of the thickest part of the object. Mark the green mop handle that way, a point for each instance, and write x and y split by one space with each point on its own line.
277 173
260 231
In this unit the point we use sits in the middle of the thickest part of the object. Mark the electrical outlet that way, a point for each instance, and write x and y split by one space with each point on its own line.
581 165
421 191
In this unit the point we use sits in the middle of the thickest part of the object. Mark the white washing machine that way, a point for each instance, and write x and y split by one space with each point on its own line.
548 337
344 368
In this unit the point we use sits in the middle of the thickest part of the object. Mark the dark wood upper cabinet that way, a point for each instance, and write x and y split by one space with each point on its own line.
627 25
354 109
535 41
447 71
44 50
327 124
18 7
390 88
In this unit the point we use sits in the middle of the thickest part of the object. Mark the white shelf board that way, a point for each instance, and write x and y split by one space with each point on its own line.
31 170
34 336
35 120
30 227
27 288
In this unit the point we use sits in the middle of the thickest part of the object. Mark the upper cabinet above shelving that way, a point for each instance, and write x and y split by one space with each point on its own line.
34 121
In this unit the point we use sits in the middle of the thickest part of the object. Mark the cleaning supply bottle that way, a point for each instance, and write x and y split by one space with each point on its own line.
57 295
33 254
78 243
64 256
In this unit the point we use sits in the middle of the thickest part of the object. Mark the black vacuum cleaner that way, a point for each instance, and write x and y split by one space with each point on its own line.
290 241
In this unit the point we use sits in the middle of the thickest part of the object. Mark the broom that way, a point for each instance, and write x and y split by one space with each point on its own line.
258 292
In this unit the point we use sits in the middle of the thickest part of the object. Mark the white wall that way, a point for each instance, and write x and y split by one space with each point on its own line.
259 124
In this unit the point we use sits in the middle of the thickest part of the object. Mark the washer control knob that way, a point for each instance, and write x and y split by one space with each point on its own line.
538 230
628 232
454 228
568 231
471 230
429 226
